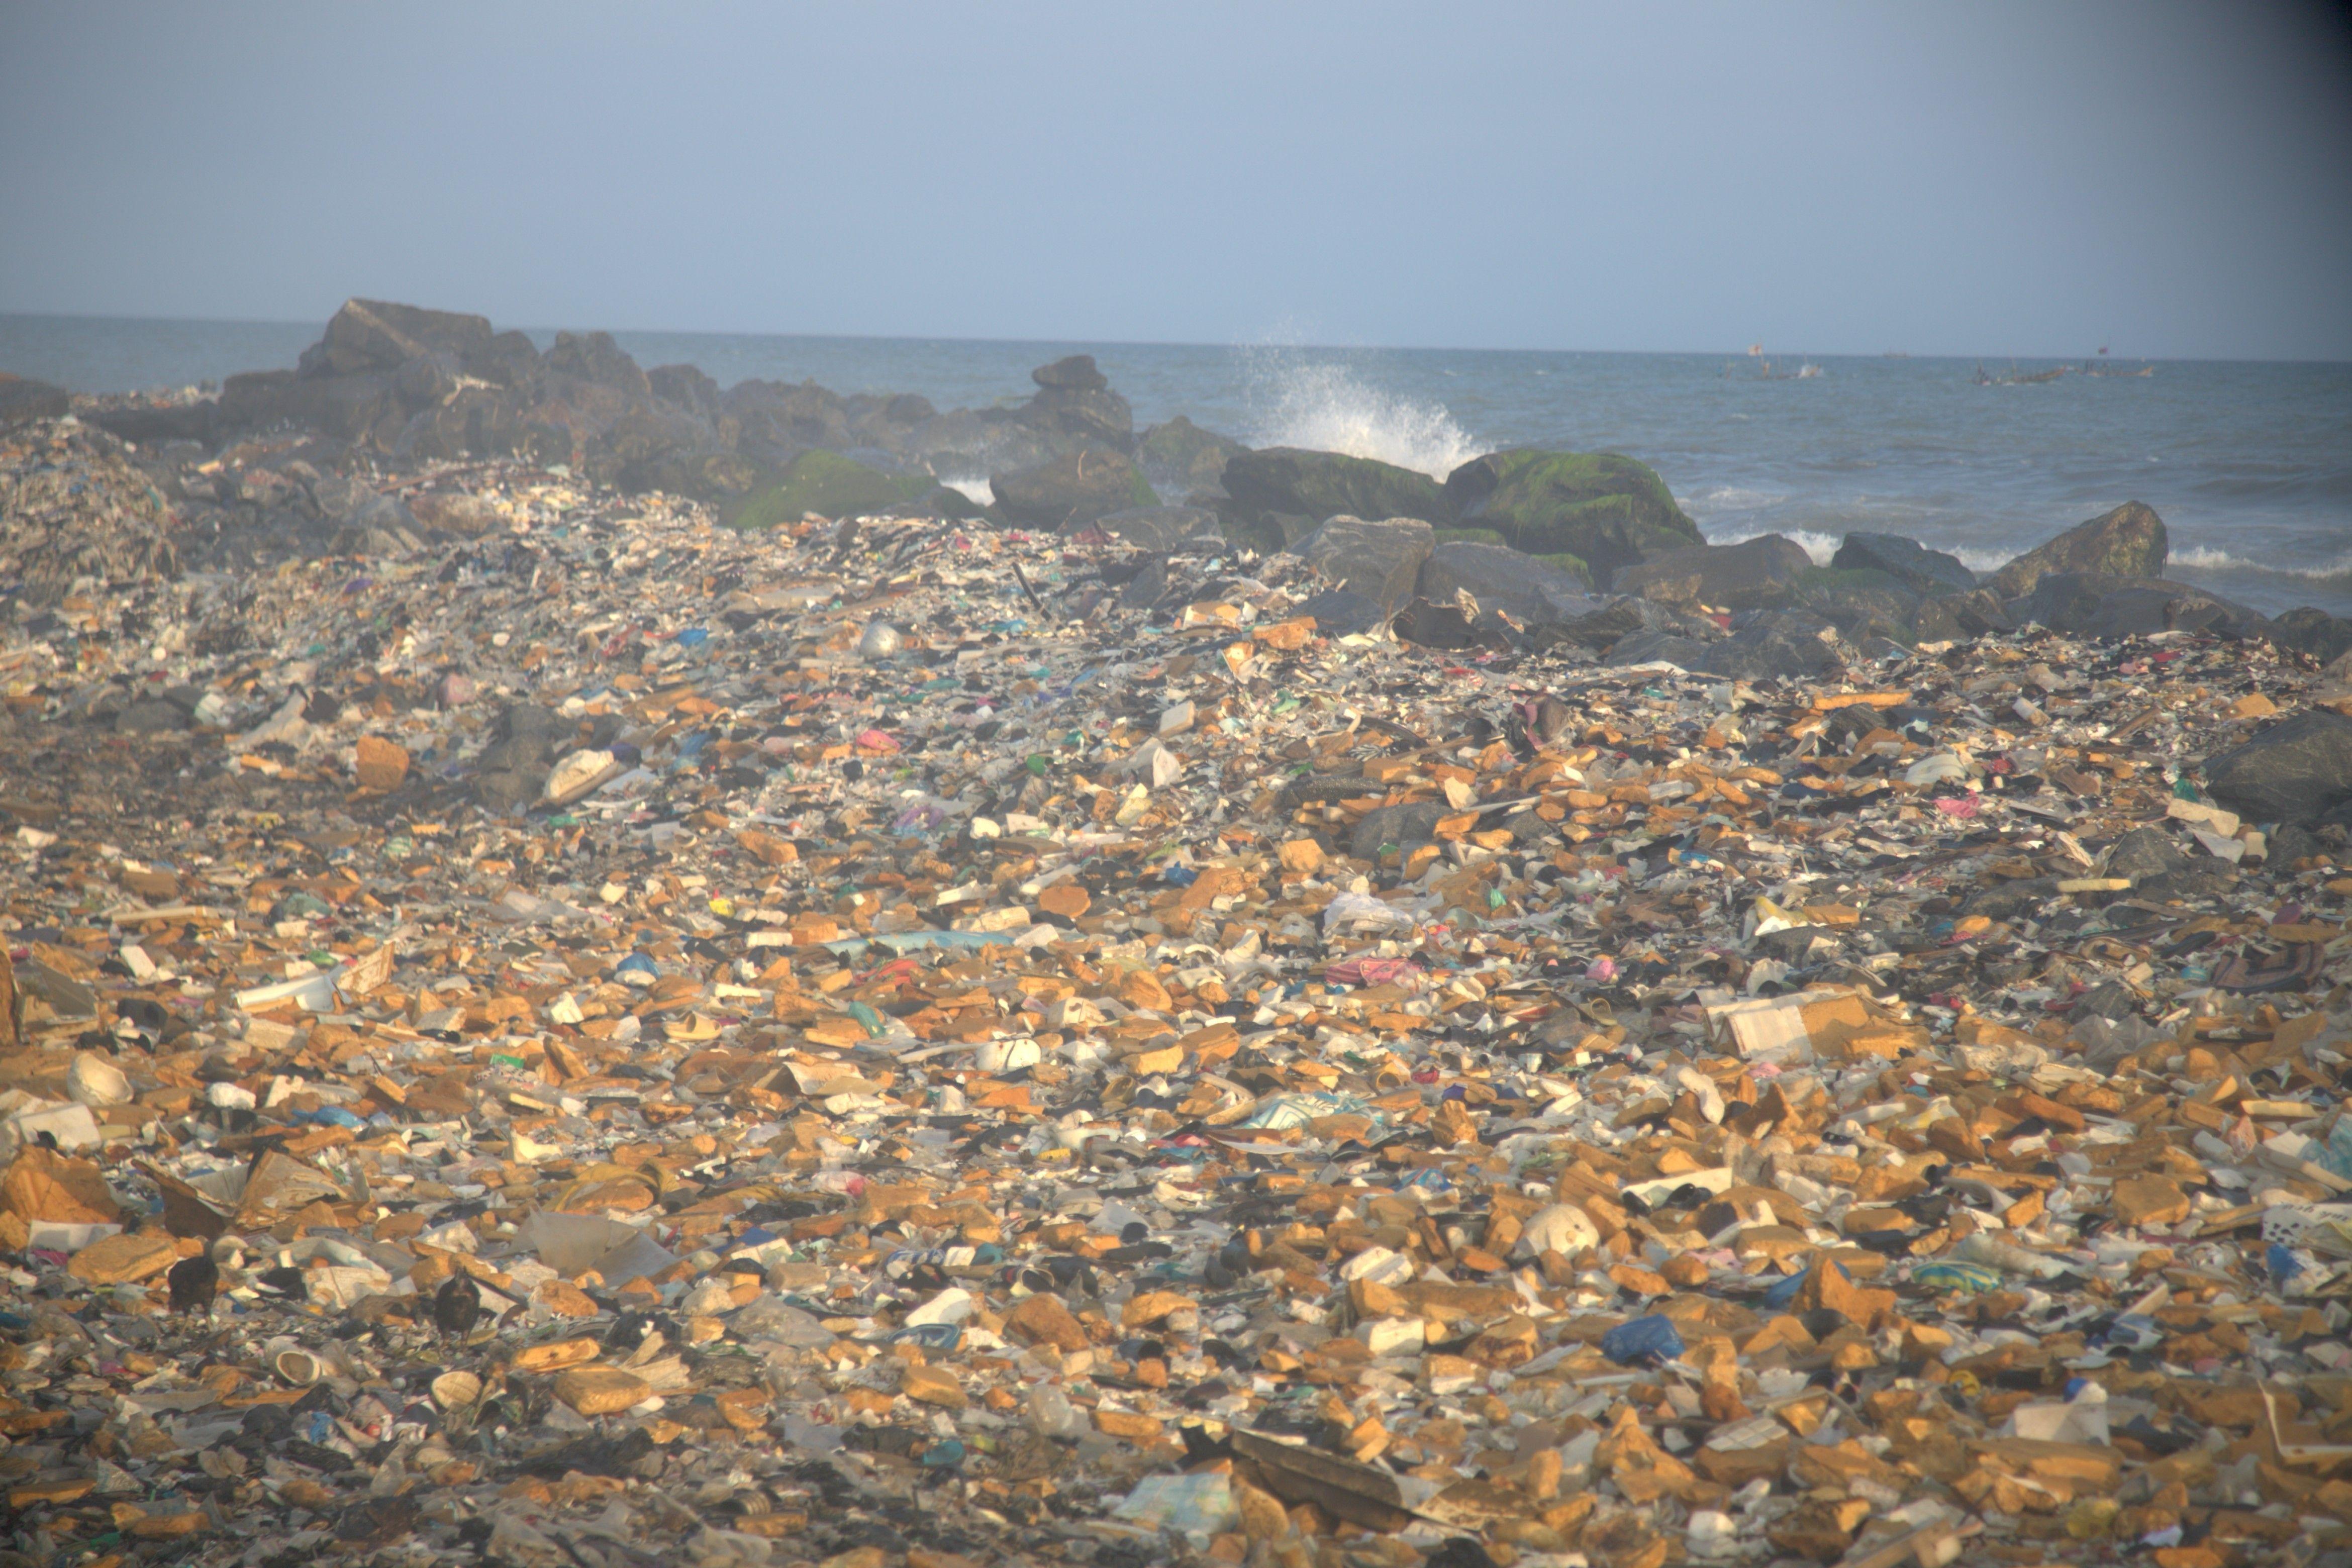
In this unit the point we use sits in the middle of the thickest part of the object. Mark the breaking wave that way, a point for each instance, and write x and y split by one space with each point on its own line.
1328 407
1819 546
2204 557
979 491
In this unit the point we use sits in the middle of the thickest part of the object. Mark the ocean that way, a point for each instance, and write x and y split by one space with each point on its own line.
2249 463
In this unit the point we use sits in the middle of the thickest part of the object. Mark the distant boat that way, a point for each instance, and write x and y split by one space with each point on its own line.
2019 378
1896 353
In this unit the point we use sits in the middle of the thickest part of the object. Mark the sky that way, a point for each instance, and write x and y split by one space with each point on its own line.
2172 180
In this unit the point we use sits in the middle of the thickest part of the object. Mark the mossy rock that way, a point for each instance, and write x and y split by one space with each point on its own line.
1567 563
1471 536
1324 485
831 485
1182 452
1609 510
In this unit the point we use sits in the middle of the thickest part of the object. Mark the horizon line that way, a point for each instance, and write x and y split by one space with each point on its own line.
1734 353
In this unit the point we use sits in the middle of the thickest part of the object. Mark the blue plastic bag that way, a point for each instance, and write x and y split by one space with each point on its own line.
1644 1341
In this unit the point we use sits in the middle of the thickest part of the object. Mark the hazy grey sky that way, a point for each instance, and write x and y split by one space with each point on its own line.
1982 178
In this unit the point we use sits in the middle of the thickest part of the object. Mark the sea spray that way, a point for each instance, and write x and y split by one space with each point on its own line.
1327 406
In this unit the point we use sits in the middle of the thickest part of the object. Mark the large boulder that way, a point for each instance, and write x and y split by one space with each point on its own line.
2128 541
2294 772
1909 562
1608 511
2096 605
828 484
23 399
1181 459
1072 490
596 359
1075 399
1532 592
1381 560
377 335
1288 482
1743 576
2312 633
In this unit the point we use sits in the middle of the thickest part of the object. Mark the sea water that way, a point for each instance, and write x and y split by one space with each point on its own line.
2249 463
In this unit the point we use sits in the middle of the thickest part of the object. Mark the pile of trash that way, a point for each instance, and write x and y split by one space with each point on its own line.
74 507
597 1037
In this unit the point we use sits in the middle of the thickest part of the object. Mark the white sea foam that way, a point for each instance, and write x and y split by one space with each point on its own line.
2205 557
1328 407
1731 498
978 490
1819 546
1982 561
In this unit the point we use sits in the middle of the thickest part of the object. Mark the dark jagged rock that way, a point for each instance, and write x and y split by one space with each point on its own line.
1072 490
1181 459
1534 592
2312 633
1077 373
1608 511
2087 604
1769 645
1750 574
1074 399
1379 560
2129 542
378 335
2296 772
1909 562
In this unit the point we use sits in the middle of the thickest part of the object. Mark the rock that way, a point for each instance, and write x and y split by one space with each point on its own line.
2317 635
2084 604
1072 490
1073 398
599 1390
1864 603
2295 773
2128 541
1180 457
2148 1200
382 766
1286 481
828 484
1749 575
1621 617
1532 590
1381 560
1339 612
1909 562
2142 853
1771 645
124 1259
1608 511
23 399
1077 373
377 335
1161 530
595 358
1041 1319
